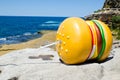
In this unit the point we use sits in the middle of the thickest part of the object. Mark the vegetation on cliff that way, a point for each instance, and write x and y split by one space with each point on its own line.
116 26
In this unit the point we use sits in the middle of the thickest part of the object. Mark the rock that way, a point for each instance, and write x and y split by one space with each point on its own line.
116 44
0 71
111 67
45 31
17 65
111 4
110 9
13 78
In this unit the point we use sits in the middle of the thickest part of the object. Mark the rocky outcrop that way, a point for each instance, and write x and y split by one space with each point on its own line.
110 8
110 14
112 4
18 65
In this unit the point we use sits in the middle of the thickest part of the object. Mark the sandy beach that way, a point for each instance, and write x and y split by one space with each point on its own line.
48 37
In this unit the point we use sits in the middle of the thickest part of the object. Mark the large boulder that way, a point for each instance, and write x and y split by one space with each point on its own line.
27 64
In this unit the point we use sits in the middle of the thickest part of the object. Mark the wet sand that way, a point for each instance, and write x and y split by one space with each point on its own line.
47 37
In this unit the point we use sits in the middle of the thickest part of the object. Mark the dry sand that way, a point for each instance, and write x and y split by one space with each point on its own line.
48 37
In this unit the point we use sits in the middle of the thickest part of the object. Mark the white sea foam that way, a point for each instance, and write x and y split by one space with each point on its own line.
2 39
49 25
51 22
18 36
27 33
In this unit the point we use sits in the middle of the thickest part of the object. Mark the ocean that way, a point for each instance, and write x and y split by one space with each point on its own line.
17 29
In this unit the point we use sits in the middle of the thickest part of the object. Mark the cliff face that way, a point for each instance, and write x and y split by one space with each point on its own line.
110 14
112 4
110 8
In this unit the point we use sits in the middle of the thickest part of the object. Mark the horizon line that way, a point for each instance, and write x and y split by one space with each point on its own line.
37 16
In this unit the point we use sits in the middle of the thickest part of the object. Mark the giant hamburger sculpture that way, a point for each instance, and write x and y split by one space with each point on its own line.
83 40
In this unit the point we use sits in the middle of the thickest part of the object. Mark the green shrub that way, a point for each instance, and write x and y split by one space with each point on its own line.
116 19
116 22
118 35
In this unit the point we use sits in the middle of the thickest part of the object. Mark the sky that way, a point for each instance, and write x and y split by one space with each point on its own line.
65 8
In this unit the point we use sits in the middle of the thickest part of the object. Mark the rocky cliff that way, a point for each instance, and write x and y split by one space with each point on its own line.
110 14
110 8
112 4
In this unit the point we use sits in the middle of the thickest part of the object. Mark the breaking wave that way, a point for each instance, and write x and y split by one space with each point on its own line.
19 38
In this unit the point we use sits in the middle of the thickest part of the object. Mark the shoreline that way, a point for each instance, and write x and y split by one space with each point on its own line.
47 37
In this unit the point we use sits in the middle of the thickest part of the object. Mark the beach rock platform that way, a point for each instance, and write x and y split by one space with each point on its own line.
44 64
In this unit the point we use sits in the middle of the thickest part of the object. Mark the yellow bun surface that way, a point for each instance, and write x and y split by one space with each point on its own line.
108 39
75 41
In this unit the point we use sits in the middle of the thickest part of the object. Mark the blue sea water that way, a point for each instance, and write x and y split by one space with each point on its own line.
16 29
